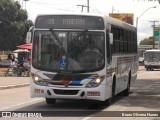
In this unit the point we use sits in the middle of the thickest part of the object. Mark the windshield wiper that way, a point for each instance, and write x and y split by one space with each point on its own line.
56 37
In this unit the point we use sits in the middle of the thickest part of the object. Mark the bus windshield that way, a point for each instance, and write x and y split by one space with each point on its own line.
68 51
152 56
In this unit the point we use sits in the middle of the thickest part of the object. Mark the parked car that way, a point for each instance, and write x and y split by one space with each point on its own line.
141 60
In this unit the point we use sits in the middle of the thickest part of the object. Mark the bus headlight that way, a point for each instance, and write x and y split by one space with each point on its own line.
95 83
38 80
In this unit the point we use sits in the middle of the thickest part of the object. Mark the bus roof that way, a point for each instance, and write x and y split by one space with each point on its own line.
119 23
84 14
153 50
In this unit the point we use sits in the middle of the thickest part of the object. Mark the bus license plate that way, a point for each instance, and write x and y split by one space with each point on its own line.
93 94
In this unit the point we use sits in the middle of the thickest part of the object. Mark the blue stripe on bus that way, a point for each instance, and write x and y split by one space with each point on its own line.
75 81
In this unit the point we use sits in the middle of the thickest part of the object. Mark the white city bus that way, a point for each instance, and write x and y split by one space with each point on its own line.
82 56
152 59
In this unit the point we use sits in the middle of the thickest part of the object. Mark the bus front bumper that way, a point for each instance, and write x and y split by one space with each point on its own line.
96 93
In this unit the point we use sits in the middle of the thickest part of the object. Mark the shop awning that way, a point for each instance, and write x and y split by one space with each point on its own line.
26 46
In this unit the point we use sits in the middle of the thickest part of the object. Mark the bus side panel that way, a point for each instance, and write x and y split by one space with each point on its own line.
109 87
125 64
134 70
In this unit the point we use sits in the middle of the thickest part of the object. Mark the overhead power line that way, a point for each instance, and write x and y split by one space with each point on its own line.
60 4
95 7
51 3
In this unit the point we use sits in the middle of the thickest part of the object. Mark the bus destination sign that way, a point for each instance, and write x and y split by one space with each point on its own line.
69 22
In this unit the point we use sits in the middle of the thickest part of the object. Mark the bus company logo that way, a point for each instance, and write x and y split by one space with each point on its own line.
6 114
66 84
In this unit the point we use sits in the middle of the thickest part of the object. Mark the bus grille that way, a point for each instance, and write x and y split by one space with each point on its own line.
65 92
62 84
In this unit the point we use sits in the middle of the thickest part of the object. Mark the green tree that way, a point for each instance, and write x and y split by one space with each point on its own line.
147 41
13 24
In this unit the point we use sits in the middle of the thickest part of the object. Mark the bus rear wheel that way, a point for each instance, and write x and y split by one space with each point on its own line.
126 92
50 100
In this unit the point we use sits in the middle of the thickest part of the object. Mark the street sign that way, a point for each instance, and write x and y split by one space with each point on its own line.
157 33
157 28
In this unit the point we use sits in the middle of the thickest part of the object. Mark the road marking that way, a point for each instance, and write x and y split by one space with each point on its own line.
4 108
86 118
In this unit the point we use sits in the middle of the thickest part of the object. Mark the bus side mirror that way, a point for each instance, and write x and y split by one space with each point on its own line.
111 38
28 37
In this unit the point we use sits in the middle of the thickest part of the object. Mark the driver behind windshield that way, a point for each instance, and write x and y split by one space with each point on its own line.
91 47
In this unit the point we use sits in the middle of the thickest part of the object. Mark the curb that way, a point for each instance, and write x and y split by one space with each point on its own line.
14 86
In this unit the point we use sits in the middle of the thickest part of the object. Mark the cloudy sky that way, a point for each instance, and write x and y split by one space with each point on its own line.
35 7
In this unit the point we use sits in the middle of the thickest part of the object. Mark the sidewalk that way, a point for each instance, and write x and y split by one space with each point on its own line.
13 82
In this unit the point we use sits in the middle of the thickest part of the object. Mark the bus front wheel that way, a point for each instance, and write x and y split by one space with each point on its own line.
107 102
50 101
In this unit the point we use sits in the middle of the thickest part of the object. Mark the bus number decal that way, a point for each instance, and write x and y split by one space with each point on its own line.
36 90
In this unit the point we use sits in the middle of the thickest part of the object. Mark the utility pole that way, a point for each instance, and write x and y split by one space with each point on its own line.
142 14
87 6
154 22
113 9
82 7
25 3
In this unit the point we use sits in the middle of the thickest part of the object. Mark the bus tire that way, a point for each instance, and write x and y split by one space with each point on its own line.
113 86
126 92
107 102
50 101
